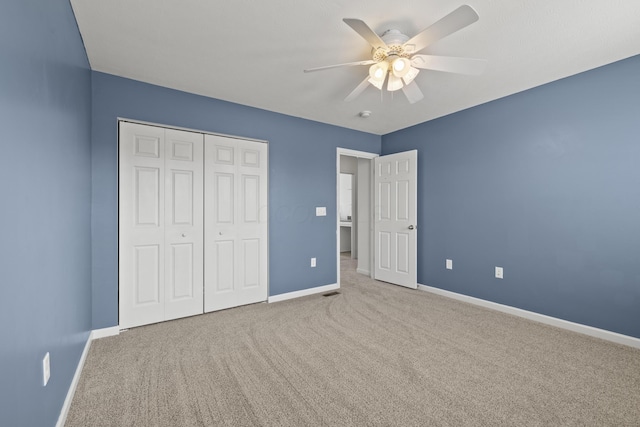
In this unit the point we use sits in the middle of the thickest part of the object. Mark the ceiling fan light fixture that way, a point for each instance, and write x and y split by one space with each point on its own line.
395 83
377 83
400 67
378 71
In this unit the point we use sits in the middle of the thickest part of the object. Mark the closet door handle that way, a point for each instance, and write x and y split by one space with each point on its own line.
411 227
184 234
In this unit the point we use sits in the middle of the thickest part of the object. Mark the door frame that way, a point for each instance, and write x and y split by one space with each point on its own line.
361 155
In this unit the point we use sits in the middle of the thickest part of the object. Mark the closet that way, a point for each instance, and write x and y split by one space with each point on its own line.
192 223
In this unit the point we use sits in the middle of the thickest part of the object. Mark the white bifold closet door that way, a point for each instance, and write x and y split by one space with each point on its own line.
235 222
160 224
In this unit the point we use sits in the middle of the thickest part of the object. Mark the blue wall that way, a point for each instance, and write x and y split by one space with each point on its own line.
302 175
545 183
45 187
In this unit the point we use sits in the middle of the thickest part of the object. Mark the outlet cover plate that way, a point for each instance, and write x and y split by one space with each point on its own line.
499 273
321 211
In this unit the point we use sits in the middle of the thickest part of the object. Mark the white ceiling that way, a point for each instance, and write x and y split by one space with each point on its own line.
253 52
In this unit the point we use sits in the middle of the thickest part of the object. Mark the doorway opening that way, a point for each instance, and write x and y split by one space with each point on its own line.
354 203
384 214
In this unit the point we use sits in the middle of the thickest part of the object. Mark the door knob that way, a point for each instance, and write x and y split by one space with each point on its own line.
184 234
411 227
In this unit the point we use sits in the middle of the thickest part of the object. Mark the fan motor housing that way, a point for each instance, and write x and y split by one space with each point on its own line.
395 41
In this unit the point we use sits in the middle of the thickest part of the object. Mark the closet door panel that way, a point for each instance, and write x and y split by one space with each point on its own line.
147 273
181 272
223 268
182 183
236 222
252 169
220 216
184 226
224 200
141 225
146 187
251 269
161 224
250 199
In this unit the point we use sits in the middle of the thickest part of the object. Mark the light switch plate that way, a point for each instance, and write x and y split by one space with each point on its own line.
321 211
449 264
313 262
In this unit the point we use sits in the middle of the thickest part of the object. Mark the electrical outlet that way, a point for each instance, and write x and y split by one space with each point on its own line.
499 273
313 262
321 211
46 369
449 264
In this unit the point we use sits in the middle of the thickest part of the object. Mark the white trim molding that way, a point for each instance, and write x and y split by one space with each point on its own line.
303 293
356 153
94 335
105 332
142 122
74 383
537 317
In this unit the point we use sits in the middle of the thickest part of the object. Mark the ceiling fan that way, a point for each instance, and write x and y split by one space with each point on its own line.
395 55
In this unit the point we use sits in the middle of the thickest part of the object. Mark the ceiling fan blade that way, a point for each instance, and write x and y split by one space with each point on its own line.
358 90
456 20
450 64
346 64
412 92
365 32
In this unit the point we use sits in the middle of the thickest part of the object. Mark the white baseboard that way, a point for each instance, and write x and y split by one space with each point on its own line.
74 383
105 332
94 335
303 293
537 317
363 271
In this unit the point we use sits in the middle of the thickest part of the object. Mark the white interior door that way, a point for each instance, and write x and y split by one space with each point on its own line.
184 228
160 224
395 240
141 225
236 222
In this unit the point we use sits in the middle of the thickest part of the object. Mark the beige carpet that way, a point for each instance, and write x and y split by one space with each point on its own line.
374 355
